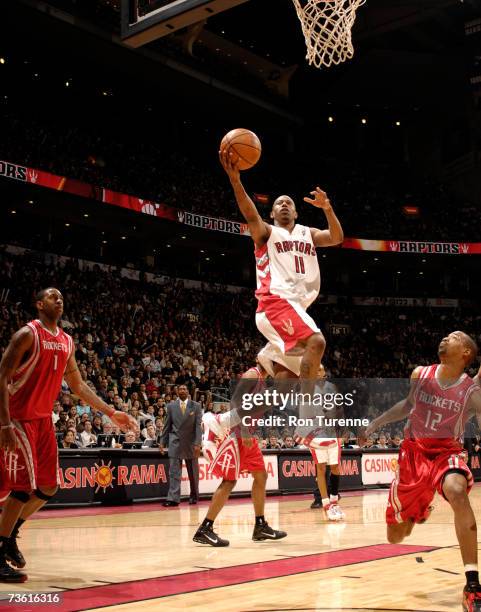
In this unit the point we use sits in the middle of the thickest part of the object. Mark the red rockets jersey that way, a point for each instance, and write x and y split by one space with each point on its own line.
438 418
36 384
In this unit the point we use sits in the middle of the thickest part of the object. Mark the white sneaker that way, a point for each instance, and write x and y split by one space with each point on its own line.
332 515
337 509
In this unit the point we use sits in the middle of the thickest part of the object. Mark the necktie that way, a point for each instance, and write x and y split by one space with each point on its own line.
182 407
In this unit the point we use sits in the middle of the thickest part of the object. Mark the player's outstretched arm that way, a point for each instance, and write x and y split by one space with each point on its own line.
333 234
399 411
474 405
260 231
14 355
477 378
79 387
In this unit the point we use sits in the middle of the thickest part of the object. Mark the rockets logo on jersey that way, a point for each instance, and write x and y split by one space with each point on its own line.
36 384
440 413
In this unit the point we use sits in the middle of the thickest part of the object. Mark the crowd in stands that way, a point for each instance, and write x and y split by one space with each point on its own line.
135 342
368 197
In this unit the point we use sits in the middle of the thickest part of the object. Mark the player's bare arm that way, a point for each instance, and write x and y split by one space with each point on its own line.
14 356
399 411
474 405
79 387
259 229
477 378
333 234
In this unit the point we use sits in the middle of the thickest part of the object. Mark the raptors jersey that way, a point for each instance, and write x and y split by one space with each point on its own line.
287 266
37 382
438 418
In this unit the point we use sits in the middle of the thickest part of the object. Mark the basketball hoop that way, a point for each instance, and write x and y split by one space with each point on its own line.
326 25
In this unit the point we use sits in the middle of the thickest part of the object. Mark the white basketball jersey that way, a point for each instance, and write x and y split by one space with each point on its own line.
324 435
287 266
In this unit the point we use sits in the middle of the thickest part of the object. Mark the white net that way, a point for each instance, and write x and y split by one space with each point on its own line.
326 25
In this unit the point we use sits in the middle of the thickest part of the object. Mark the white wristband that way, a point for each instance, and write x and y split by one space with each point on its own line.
9 426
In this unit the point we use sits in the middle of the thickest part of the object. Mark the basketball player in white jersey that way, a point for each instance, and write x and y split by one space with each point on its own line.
325 448
288 277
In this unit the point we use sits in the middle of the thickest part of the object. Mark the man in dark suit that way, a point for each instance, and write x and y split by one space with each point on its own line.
182 435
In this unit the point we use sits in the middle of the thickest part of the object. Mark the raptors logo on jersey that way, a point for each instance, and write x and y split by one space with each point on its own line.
440 413
287 266
36 384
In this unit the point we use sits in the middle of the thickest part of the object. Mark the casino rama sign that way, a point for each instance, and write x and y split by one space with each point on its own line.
162 211
104 475
300 468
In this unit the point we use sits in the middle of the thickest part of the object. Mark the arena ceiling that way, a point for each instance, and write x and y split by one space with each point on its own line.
409 53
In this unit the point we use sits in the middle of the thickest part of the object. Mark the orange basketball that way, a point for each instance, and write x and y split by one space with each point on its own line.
244 145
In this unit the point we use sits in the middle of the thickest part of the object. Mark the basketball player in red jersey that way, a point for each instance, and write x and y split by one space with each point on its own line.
441 400
288 276
38 357
229 455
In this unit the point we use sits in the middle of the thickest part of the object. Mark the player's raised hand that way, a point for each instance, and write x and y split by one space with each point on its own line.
320 199
8 439
125 421
229 163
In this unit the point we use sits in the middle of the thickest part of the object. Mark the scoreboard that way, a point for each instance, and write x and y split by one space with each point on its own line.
142 21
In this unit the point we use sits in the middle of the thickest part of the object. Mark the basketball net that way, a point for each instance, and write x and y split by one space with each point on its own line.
326 25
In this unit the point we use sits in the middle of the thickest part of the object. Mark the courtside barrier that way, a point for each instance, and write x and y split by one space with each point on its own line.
117 476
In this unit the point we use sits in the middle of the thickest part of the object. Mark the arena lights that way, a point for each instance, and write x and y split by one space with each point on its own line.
168 246
398 272
125 238
14 212
207 258
364 121
104 242
202 251
376 259
30 201
330 119
364 271
223 254
86 215
2 60
398 123
67 225
421 273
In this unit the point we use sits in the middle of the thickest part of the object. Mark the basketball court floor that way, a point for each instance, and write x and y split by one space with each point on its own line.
142 558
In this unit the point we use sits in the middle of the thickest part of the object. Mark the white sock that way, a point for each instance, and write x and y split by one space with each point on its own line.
334 499
325 502
471 567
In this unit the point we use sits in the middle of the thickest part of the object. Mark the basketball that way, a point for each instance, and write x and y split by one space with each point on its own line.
244 145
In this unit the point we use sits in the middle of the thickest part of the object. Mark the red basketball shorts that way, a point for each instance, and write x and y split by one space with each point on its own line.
284 322
235 457
34 463
417 479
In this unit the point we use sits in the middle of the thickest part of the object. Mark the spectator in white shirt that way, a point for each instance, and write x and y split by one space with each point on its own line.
87 437
150 437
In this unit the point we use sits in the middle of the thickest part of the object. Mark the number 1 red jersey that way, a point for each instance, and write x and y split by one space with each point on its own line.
438 418
36 384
